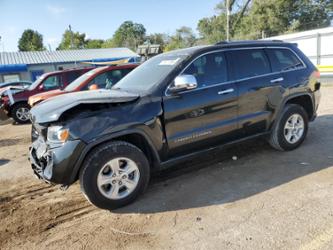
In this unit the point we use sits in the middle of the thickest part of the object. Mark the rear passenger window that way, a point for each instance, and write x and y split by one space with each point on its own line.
249 63
209 69
283 59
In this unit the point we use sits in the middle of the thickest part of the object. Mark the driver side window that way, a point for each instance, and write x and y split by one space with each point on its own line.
107 79
52 82
209 69
100 81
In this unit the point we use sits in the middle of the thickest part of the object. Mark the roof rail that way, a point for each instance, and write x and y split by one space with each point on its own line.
248 41
221 43
276 41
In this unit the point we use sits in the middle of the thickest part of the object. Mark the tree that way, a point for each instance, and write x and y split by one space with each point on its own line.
72 40
257 18
94 43
128 35
31 40
311 14
213 29
183 38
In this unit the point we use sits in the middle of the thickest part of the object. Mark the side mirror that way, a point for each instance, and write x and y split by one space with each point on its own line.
41 87
93 87
183 82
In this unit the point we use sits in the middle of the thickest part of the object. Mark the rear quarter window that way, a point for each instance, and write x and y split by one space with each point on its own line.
283 59
249 63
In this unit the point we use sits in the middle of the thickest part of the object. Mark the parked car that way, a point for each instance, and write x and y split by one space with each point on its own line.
171 108
98 78
23 84
15 104
14 86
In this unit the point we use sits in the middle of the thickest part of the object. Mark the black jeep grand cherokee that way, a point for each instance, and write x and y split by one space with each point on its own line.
173 106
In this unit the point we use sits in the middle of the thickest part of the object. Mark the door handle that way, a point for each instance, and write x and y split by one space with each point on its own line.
223 92
280 79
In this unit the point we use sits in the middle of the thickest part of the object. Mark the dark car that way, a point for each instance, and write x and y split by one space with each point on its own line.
98 78
174 106
15 103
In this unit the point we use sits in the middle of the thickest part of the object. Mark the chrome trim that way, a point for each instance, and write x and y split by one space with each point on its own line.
242 79
227 91
280 79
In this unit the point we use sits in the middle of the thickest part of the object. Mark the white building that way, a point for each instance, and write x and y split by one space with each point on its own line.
317 44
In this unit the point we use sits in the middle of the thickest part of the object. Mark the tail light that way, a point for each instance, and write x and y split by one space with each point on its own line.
317 84
317 74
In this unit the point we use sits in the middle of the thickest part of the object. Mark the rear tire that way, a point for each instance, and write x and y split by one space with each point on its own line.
114 175
21 113
291 129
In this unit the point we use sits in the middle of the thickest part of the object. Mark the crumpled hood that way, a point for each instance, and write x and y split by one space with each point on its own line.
51 109
13 89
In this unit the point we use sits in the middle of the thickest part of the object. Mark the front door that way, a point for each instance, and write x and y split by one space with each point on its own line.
199 118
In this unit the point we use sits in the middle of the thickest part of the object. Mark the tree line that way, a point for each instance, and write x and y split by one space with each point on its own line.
249 19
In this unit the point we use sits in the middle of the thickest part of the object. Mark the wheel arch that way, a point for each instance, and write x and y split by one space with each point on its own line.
303 99
15 104
134 136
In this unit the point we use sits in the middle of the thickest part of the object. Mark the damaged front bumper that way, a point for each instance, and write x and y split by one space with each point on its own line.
55 163
3 113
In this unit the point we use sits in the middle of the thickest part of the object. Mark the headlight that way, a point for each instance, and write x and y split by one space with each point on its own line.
57 134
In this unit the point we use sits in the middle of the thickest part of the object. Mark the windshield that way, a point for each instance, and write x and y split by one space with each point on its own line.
77 82
144 77
37 82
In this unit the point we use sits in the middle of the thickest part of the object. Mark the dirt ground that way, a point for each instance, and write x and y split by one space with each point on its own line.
263 200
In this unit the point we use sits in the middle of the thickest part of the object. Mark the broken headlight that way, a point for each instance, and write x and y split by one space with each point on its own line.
57 134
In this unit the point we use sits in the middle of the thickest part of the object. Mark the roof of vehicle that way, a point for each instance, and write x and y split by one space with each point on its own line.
67 70
230 44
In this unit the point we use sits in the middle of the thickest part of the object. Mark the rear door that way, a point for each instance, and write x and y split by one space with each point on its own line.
259 89
286 62
199 118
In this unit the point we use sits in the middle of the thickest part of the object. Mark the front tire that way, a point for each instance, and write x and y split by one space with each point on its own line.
114 175
21 113
291 129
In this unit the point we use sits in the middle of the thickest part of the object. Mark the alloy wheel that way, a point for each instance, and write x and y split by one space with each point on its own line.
294 128
118 178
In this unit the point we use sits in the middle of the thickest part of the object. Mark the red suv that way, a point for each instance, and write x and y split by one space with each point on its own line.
15 104
98 78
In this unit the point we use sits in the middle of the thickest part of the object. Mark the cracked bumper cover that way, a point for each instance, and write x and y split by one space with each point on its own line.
55 164
3 112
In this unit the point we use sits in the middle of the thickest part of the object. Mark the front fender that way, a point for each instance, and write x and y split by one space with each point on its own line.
107 138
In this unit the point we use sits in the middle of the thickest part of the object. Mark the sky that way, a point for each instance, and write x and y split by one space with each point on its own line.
97 18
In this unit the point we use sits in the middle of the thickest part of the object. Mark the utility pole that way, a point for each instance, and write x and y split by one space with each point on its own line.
228 20
71 33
